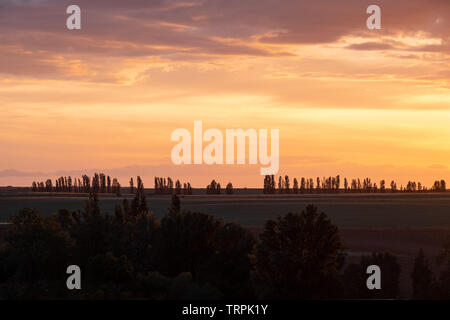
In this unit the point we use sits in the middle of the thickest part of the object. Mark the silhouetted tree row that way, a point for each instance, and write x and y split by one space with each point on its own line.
333 185
100 184
190 255
215 188
269 184
166 186
439 186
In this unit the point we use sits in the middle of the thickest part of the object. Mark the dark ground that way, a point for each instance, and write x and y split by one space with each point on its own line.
398 223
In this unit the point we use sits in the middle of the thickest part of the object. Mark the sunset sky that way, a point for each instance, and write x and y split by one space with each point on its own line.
347 100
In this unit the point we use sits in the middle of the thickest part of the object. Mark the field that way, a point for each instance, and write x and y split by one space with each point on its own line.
399 223
428 210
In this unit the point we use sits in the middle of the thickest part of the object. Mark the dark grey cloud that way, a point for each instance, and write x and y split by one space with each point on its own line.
32 31
370 46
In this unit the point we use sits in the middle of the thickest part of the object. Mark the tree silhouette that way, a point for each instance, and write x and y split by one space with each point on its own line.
443 260
175 206
439 186
186 240
178 187
169 185
102 183
131 185
213 188
423 281
139 203
96 184
116 188
280 185
299 256
287 184
229 268
355 277
295 185
166 186
269 184
393 186
48 185
34 256
229 188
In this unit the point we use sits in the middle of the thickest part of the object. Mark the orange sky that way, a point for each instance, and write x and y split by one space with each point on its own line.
346 100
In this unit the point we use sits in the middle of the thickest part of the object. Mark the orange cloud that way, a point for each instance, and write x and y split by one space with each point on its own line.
346 100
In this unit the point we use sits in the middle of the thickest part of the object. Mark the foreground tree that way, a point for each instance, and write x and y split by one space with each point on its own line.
139 203
175 206
443 260
355 277
186 239
34 256
423 281
229 268
299 257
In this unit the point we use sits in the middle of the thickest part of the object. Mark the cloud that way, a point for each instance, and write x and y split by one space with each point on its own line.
34 33
370 46
8 173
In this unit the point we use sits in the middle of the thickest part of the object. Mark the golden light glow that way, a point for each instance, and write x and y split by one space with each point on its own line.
358 104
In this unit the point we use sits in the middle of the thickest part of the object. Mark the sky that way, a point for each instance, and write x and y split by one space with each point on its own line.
347 100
